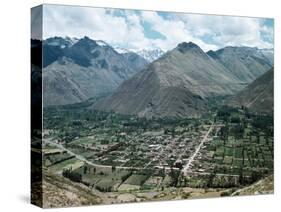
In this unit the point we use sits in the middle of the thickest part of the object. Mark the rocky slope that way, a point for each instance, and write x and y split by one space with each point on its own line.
257 96
76 71
245 63
61 192
174 85
263 186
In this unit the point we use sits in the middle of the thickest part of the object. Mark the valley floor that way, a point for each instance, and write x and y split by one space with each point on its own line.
106 158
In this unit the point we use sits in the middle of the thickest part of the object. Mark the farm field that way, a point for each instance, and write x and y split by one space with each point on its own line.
220 153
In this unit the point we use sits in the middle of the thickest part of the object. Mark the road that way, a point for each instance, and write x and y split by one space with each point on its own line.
217 174
192 157
185 170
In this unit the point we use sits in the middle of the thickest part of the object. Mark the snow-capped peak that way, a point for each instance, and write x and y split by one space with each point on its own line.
72 40
121 50
101 43
61 42
150 54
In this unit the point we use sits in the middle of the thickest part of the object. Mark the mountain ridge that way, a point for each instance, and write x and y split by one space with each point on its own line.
84 69
78 69
257 96
174 85
246 63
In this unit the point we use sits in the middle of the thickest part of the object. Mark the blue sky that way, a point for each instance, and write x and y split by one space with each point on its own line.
135 29
150 33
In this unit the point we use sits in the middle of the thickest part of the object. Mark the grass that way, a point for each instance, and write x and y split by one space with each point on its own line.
237 162
136 179
73 162
128 187
238 153
51 151
166 181
57 158
228 151
105 184
227 160
153 181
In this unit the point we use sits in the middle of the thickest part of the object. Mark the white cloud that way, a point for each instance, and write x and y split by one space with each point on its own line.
175 30
78 22
227 30
97 23
126 29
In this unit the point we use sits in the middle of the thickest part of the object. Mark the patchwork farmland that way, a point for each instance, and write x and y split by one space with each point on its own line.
116 154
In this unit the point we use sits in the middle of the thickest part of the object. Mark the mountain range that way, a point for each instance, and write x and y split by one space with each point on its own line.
75 70
148 54
149 83
178 83
245 63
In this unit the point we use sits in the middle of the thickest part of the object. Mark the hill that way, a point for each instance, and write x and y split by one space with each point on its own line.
258 96
175 85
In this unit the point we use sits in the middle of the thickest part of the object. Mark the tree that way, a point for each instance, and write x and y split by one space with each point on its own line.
74 176
185 182
241 177
210 179
174 175
255 175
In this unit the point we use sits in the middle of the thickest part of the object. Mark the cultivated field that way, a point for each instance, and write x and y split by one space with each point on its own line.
112 154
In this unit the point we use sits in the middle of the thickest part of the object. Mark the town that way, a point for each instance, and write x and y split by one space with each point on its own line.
226 148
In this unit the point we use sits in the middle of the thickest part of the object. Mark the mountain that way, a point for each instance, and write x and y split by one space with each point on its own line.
56 47
134 61
245 63
121 50
60 42
76 71
269 54
150 55
258 96
174 85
